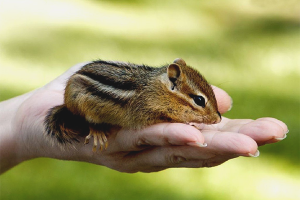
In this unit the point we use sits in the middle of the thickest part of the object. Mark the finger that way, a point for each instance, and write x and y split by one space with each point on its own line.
263 130
221 147
280 123
159 158
229 143
224 101
229 125
187 164
157 135
226 124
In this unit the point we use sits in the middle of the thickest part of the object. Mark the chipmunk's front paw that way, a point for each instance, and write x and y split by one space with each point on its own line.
98 136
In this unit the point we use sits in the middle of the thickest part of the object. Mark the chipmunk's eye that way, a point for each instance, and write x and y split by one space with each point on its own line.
199 100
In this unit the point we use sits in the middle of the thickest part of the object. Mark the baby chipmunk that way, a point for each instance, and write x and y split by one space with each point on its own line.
103 94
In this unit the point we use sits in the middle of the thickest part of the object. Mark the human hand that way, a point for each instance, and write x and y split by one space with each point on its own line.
154 148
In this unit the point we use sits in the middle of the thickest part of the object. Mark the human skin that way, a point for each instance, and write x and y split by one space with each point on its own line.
154 148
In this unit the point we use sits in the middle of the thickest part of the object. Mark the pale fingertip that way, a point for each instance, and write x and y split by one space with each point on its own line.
257 153
278 122
197 144
231 104
279 139
224 101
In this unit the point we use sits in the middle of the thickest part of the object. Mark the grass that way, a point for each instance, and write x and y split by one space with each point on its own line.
249 48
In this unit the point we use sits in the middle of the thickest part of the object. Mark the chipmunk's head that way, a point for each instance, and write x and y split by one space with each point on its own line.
192 99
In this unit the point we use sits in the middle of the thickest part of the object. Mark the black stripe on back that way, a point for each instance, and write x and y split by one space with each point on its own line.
95 91
109 63
118 79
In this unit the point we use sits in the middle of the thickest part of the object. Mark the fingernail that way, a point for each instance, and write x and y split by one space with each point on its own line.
255 155
279 139
197 144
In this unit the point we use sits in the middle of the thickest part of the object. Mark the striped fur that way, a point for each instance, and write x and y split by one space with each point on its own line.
132 96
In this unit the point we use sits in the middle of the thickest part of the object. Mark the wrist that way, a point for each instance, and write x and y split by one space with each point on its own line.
9 142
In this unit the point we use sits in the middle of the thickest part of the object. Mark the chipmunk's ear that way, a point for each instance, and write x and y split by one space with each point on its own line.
180 62
174 72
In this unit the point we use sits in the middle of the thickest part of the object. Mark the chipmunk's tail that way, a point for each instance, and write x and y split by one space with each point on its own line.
63 125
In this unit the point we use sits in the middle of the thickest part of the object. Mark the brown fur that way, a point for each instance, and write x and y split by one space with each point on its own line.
130 96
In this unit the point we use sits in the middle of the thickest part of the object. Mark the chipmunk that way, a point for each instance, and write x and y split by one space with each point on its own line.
103 94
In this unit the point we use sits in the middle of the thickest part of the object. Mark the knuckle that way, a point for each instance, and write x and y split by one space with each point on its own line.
174 159
141 143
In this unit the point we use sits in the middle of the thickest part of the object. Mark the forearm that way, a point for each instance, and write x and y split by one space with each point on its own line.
8 136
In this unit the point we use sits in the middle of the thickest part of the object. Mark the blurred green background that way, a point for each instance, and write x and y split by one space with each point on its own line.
250 48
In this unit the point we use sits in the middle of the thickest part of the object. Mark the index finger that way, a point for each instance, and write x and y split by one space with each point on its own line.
163 134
